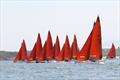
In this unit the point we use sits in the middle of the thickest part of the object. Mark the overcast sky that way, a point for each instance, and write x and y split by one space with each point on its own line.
24 19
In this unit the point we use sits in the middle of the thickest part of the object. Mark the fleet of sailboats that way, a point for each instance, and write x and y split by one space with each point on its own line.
91 50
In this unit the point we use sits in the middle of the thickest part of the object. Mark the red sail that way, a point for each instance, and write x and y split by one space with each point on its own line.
74 48
42 54
96 42
112 52
18 57
38 47
22 54
84 52
49 47
44 50
33 54
56 48
67 51
60 55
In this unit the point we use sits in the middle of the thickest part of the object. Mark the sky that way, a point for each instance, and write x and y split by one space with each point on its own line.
24 19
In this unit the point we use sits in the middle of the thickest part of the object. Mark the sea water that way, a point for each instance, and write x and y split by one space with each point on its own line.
103 70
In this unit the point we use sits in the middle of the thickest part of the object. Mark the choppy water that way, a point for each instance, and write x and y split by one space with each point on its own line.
60 71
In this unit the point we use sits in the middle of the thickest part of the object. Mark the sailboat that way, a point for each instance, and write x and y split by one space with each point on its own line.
74 48
112 53
67 50
38 48
96 42
49 48
41 57
22 54
60 56
36 51
56 48
32 56
92 49
83 55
